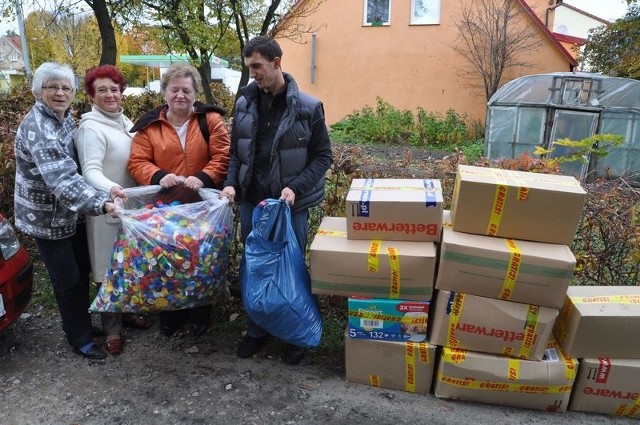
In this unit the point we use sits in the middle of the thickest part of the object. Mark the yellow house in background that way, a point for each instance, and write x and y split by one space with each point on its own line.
401 51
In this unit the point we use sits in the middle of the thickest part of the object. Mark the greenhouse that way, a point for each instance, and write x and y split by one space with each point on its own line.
537 110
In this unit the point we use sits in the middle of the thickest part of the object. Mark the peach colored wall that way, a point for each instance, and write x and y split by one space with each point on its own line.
406 65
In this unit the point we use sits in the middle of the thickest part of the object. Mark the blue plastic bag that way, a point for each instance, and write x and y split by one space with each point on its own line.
274 280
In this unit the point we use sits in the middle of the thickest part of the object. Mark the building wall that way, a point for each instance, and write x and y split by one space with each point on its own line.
406 65
571 22
10 55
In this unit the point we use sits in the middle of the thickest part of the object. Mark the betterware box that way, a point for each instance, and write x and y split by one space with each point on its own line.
402 366
459 320
508 269
391 320
607 386
493 379
369 268
517 204
394 209
600 321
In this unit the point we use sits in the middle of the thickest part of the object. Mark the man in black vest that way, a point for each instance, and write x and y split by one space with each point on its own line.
280 149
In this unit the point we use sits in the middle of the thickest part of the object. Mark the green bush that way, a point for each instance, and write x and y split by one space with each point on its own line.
136 106
386 124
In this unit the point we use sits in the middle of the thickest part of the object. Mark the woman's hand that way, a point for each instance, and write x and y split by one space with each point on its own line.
171 180
193 183
110 208
117 192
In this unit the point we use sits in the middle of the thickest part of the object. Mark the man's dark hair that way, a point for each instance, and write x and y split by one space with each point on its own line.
263 44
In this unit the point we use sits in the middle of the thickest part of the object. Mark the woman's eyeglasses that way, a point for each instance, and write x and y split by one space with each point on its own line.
54 89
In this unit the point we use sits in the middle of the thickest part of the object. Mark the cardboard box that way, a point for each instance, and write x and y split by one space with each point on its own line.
394 209
600 321
402 366
508 269
379 269
493 379
392 320
459 320
607 386
517 204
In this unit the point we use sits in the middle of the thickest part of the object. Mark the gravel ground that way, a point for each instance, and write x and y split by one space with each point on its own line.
188 380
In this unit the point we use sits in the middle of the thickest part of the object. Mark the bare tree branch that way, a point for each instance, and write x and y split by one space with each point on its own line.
493 35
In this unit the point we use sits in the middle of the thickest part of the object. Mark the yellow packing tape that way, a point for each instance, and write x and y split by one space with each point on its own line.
454 355
608 299
513 373
530 331
394 265
513 269
504 386
454 318
338 233
497 209
373 259
410 367
374 380
414 320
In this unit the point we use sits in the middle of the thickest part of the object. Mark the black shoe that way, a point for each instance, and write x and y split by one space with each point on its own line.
293 354
172 321
199 317
199 328
93 352
250 345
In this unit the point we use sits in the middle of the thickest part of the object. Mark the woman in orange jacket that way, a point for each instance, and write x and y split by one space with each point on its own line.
183 142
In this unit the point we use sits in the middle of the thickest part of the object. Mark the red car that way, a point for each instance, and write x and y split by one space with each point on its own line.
16 275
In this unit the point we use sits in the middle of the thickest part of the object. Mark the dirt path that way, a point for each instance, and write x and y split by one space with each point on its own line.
159 380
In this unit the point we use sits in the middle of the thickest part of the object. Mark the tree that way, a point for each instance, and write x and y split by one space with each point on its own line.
615 49
104 19
274 17
63 37
492 38
194 27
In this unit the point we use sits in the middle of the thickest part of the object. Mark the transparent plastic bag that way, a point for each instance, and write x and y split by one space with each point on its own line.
168 255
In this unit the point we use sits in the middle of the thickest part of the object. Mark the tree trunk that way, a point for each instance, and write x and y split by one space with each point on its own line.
107 33
204 69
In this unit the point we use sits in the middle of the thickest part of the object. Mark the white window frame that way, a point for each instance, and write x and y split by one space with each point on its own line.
425 12
368 22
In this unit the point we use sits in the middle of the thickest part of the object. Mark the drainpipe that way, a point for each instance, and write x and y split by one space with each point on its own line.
549 9
313 58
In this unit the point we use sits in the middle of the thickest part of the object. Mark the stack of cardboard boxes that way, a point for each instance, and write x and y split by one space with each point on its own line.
383 257
600 325
504 270
509 327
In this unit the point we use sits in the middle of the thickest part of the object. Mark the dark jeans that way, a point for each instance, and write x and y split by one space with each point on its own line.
298 222
69 267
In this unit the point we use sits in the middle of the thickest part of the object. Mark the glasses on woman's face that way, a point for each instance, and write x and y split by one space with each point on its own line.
55 89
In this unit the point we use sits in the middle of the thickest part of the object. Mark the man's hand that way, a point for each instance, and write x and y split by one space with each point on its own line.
230 193
288 196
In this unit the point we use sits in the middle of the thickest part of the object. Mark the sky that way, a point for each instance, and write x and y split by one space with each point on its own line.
606 9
